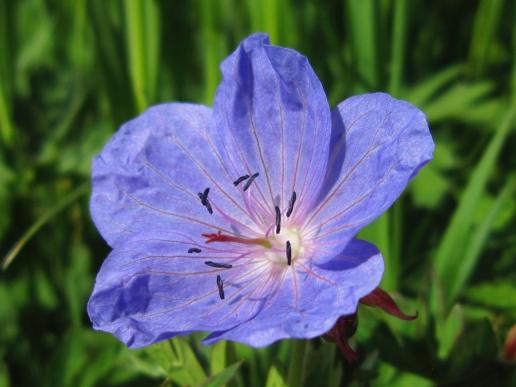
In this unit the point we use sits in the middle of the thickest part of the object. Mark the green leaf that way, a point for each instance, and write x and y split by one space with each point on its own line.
35 43
250 355
50 214
274 378
297 367
214 47
456 238
399 33
362 21
143 39
431 184
7 178
486 23
475 348
422 92
45 291
500 294
325 359
392 376
218 357
491 208
223 377
6 124
456 100
448 332
429 187
77 281
177 360
378 232
478 240
4 375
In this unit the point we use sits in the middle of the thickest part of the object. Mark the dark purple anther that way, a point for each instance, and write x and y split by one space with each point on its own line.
291 203
220 285
289 253
250 181
218 265
240 179
204 200
278 219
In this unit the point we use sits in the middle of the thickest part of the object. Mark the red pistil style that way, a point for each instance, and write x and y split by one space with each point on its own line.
219 237
346 326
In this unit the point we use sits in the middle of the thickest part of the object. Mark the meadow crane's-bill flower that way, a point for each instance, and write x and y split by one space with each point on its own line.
240 219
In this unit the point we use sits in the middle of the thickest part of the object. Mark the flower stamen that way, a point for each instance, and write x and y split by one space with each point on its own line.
194 250
220 285
291 203
250 181
204 200
278 219
218 265
240 179
289 253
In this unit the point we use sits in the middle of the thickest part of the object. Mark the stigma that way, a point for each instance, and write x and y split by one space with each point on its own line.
219 237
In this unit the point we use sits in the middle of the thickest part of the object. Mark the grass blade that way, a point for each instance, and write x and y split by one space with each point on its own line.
455 241
486 23
362 19
214 48
391 277
478 240
142 28
222 377
398 46
6 127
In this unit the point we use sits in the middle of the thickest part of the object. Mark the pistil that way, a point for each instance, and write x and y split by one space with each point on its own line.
219 237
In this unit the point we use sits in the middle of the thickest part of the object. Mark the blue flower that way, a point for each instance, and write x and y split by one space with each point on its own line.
240 220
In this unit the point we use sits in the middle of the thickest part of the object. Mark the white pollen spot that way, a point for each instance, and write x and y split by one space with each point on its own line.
279 243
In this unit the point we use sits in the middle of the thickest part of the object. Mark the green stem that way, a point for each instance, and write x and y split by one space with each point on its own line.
398 46
396 76
6 129
296 366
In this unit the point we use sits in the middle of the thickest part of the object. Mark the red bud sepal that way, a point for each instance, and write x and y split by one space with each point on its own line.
381 299
346 326
510 345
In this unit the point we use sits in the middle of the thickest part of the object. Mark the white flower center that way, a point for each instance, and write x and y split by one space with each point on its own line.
278 253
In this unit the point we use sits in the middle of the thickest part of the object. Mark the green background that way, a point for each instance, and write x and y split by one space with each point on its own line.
72 71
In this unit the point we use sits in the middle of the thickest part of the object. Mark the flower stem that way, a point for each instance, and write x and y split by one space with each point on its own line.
296 366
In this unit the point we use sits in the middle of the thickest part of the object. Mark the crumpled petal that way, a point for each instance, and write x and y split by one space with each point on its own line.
313 299
271 116
147 178
378 144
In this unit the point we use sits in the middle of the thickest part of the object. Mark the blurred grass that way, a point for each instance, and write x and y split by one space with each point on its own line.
72 72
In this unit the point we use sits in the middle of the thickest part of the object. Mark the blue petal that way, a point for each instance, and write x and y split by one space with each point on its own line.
378 144
151 289
310 302
147 178
272 117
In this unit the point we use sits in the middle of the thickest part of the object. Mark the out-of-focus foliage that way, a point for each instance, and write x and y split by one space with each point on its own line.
72 71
